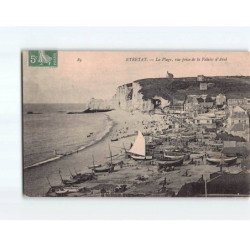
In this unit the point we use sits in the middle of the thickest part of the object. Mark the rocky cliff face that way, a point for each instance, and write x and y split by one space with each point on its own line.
152 93
130 98
99 104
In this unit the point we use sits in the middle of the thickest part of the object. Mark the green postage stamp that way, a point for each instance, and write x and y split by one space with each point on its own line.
43 58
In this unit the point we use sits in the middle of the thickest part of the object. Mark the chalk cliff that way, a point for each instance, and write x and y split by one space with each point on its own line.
99 104
157 93
128 97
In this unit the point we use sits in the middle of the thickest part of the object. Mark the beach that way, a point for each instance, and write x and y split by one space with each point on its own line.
141 178
35 181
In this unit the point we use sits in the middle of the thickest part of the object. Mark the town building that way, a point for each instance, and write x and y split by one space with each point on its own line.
203 86
178 103
198 103
220 100
205 121
206 102
201 78
191 103
238 122
242 102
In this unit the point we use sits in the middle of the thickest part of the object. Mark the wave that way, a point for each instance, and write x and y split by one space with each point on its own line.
99 138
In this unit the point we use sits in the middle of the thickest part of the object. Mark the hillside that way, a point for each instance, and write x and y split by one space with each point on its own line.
231 86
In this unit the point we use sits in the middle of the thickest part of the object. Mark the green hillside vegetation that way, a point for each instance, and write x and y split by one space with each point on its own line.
231 86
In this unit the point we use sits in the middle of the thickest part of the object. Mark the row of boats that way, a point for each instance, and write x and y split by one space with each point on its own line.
171 157
67 185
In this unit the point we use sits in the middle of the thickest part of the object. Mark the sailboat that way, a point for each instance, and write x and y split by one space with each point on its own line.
109 168
138 150
94 165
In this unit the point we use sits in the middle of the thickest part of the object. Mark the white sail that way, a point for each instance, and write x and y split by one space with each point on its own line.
139 146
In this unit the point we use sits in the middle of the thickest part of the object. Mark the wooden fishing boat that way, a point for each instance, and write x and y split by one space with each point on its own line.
61 192
228 160
67 181
104 169
140 157
109 168
138 150
170 155
53 188
94 165
71 189
84 177
170 163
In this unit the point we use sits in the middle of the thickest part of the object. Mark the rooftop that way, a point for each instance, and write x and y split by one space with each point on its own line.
238 127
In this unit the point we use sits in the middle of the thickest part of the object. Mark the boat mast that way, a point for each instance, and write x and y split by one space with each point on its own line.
60 175
75 171
110 155
70 173
48 181
126 153
93 160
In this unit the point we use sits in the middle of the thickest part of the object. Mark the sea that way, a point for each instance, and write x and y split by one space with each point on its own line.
50 133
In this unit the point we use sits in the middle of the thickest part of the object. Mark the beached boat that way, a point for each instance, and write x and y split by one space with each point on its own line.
138 150
66 190
61 192
228 160
139 157
72 189
109 168
83 177
53 188
170 155
104 169
94 165
170 163
67 181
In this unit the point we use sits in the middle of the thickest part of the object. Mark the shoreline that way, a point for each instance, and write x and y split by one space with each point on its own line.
35 181
75 151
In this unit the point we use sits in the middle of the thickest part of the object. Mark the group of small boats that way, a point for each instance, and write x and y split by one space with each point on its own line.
67 185
108 167
172 158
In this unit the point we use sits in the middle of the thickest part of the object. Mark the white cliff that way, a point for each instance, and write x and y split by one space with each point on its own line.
129 97
99 104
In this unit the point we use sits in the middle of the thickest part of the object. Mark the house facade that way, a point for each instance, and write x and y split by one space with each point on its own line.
242 102
238 122
205 121
220 100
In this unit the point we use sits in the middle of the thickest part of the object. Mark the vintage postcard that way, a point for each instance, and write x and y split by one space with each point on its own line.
136 123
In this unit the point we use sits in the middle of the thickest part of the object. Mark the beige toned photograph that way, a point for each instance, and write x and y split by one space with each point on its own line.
135 123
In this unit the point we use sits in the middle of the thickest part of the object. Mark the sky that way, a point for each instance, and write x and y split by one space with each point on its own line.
81 75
